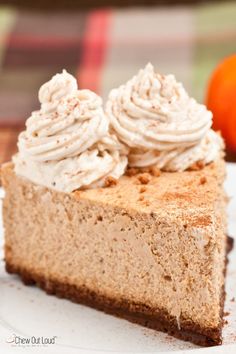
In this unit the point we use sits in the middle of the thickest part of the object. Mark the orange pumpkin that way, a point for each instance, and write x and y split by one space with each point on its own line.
221 100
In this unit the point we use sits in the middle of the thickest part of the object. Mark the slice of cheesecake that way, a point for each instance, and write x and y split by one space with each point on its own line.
150 248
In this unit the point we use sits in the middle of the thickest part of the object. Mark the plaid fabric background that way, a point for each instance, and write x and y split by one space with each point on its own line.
104 48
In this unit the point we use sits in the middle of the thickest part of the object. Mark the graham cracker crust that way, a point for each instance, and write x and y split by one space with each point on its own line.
133 312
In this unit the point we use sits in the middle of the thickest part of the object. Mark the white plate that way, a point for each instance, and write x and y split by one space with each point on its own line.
27 312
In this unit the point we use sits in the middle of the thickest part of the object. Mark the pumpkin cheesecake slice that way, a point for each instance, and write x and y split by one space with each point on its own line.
147 242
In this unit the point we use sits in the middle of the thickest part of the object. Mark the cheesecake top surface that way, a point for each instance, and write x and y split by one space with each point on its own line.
176 194
189 196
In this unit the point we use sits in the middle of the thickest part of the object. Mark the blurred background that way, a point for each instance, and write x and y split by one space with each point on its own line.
104 43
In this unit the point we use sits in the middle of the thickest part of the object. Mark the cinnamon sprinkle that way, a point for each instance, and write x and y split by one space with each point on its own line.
203 180
110 181
144 178
132 172
197 166
154 171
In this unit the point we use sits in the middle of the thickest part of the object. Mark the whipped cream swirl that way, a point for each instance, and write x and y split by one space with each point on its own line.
155 117
67 144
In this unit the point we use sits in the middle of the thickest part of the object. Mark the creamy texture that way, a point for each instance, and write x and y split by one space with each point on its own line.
67 144
120 247
155 117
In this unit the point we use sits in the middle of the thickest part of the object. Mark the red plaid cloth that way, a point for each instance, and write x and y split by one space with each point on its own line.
104 48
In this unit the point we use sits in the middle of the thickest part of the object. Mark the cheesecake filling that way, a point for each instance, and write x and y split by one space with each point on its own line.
153 115
67 144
